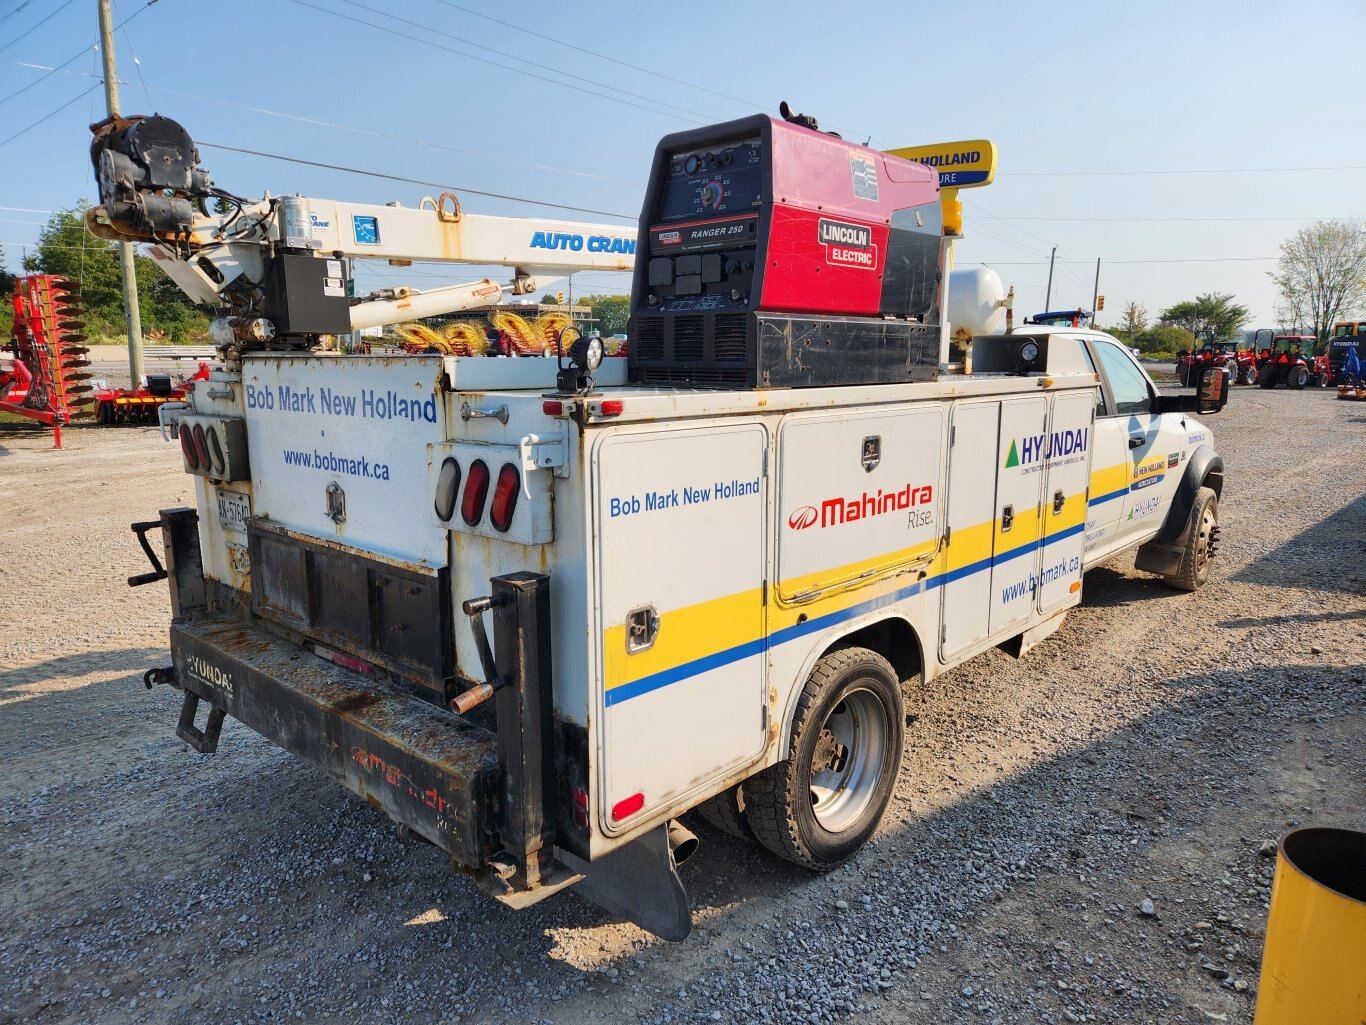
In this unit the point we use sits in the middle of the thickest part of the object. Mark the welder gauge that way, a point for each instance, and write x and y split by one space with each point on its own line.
711 195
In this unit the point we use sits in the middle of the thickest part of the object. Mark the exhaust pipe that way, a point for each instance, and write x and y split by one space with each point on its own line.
682 842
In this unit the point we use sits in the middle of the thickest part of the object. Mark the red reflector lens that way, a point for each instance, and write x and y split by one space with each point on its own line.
201 446
611 407
505 498
581 798
187 449
625 809
476 492
552 408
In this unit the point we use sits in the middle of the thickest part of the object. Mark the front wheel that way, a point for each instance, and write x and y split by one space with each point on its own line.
1299 377
1249 375
1201 543
819 806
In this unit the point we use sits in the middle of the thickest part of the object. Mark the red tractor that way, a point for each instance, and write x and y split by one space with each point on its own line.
1296 361
1219 354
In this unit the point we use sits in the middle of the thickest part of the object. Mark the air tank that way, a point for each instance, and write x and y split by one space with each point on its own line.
975 295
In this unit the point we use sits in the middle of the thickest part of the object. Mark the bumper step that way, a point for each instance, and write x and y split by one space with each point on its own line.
428 769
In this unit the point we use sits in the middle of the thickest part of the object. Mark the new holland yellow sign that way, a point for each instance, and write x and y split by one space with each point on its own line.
961 165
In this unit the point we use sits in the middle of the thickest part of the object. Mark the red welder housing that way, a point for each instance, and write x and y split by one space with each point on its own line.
775 255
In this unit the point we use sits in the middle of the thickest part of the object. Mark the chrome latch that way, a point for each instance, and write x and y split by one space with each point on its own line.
336 503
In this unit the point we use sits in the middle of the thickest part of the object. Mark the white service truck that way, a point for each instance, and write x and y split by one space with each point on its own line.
710 568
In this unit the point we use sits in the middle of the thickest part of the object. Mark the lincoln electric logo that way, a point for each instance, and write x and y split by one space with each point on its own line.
849 245
838 233
834 511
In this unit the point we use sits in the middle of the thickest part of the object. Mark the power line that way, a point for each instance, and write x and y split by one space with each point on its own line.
522 60
474 57
128 39
53 114
1185 170
615 60
395 138
36 25
416 181
1112 263
1181 219
77 56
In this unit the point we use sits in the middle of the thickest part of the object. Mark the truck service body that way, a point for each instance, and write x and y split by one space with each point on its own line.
686 552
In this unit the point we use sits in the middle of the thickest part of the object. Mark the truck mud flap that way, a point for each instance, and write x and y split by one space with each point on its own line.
429 770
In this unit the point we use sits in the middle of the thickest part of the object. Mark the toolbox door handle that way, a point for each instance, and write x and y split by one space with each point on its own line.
1007 518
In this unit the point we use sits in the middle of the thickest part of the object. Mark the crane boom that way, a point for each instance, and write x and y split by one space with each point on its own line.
279 265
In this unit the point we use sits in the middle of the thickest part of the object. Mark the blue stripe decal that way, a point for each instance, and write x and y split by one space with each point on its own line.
749 649
1108 498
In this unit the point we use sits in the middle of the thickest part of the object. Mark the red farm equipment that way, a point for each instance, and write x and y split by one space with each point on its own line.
43 368
1296 361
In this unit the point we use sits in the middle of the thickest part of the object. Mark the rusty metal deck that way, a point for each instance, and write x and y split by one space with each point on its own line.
428 769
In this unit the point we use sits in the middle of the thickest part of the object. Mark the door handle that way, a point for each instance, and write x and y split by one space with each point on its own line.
1136 440
1007 518
1059 500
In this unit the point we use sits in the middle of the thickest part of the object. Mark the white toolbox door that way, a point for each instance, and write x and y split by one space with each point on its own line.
1070 434
679 523
1019 489
971 513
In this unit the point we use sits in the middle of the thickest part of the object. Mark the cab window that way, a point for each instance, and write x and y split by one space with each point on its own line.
1100 392
1128 384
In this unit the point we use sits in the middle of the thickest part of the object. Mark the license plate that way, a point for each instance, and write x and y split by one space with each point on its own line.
233 510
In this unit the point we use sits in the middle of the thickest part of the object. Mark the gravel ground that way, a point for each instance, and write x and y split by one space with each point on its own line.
1078 836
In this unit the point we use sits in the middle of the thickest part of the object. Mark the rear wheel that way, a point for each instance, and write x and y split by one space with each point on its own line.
1298 377
820 805
1248 374
1201 543
726 811
1266 376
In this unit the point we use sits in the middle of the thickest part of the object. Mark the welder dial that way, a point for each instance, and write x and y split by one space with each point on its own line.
711 195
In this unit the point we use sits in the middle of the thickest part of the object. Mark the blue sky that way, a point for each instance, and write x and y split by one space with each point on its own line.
1059 87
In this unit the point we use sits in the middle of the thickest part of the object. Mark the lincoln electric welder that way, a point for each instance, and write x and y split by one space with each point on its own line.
775 255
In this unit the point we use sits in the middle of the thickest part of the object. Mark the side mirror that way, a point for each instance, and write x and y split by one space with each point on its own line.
1212 391
1211 394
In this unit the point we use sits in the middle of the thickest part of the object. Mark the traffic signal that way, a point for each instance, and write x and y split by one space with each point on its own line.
1100 303
559 298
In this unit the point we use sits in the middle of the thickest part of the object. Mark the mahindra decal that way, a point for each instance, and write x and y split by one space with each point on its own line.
835 511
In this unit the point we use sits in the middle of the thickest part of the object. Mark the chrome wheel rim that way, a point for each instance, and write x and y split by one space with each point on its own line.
849 760
1202 542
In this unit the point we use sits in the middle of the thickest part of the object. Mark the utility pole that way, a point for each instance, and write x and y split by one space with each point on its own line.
130 282
1095 294
1048 296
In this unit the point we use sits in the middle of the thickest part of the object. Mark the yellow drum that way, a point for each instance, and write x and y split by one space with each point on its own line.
1314 961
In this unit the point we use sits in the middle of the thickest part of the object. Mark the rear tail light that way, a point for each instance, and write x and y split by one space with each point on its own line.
187 448
476 492
447 487
201 447
505 498
215 450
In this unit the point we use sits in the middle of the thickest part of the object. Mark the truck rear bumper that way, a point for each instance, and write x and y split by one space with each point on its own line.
428 769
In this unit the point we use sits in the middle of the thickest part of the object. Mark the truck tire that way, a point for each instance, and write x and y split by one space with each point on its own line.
1248 375
726 811
1297 378
818 807
1266 376
1200 542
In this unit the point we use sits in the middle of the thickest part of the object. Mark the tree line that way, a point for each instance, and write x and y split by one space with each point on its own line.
1320 278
